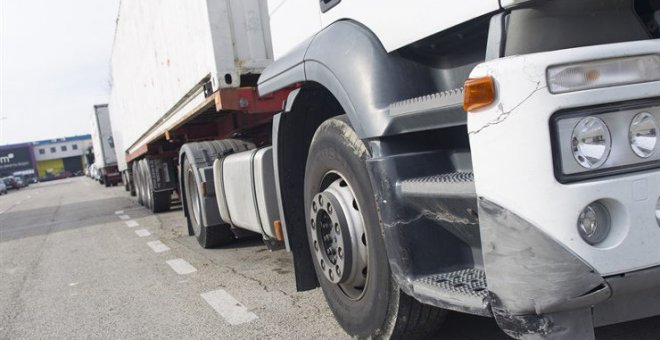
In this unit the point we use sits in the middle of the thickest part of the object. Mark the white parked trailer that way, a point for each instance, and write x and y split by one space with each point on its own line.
105 156
169 55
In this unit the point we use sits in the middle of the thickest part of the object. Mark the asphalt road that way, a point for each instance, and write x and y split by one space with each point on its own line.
78 260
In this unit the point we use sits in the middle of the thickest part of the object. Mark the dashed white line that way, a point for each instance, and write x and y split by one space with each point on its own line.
142 232
132 223
181 266
124 217
158 246
119 212
229 308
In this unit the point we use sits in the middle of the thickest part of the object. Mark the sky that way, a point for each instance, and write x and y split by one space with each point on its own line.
54 66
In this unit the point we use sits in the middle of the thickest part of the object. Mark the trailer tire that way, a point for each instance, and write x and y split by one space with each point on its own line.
106 182
136 182
207 236
363 295
124 179
148 197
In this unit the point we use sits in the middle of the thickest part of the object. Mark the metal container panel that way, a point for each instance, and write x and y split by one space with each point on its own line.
166 50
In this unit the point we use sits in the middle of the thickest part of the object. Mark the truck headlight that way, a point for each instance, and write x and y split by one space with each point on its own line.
643 134
591 142
603 73
605 140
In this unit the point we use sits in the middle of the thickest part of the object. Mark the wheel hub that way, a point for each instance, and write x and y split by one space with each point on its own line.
338 239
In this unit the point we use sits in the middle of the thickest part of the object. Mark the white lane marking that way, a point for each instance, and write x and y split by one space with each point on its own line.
181 266
72 284
158 246
229 308
132 223
142 232
119 212
124 217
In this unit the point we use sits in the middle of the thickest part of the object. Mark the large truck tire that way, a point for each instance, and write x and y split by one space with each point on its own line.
106 181
124 180
194 156
138 182
347 245
207 236
147 189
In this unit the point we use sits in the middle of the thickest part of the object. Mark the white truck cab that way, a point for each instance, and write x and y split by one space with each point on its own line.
497 158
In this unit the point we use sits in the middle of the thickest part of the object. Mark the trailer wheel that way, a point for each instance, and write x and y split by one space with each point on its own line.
147 185
124 179
207 236
347 246
137 172
156 201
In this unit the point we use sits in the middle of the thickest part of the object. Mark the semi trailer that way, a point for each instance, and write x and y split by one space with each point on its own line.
497 158
103 146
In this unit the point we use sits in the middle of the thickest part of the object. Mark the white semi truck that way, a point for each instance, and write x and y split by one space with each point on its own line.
105 155
498 158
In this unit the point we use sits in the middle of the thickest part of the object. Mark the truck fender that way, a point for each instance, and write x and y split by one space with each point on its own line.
349 61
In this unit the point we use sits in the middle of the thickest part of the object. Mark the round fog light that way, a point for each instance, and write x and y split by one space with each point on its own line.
594 223
643 134
591 142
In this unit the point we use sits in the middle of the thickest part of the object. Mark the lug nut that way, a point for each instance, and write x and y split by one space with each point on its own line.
337 229
338 271
332 276
340 252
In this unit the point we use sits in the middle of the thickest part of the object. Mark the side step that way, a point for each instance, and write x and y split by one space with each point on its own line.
446 101
467 286
456 184
438 110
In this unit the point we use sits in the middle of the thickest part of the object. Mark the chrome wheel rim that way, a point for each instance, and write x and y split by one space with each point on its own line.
339 240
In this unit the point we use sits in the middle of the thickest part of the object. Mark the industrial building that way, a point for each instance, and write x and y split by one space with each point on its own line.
61 156
17 159
45 159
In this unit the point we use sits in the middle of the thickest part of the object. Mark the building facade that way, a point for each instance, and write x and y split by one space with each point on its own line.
55 157
17 159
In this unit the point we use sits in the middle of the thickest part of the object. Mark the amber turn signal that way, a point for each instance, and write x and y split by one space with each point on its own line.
478 93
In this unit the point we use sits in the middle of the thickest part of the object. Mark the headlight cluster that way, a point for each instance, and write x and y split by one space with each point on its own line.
603 141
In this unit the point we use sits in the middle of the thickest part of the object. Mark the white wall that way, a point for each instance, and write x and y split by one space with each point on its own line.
70 152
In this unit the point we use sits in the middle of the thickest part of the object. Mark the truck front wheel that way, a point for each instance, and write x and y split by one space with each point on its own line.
347 245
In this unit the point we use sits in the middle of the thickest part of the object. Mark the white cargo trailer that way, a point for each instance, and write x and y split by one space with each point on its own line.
498 158
103 144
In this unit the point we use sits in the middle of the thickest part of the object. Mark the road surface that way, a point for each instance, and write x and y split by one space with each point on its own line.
78 260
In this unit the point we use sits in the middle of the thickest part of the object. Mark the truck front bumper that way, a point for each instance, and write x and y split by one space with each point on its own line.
544 280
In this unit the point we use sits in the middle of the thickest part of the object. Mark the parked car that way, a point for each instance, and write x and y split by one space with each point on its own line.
10 182
20 183
3 188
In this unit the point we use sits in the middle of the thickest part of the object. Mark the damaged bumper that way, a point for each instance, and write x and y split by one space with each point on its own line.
544 280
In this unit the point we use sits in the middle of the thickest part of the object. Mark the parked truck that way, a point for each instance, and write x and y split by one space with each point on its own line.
105 156
497 158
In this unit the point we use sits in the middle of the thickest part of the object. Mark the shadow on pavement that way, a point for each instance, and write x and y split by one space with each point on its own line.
33 222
